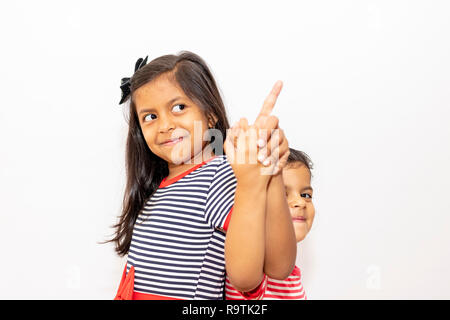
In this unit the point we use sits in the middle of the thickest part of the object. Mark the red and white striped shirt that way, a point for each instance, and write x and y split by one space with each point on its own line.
290 288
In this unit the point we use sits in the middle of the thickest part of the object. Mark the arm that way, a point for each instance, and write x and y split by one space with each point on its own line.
245 240
245 251
281 245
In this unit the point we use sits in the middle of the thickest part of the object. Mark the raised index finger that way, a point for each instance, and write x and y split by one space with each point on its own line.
269 103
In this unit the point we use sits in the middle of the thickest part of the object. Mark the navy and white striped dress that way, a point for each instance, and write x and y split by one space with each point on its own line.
177 246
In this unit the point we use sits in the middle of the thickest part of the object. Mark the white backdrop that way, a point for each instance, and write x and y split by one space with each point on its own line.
366 95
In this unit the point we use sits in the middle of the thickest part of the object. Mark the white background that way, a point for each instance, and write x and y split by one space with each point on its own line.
366 95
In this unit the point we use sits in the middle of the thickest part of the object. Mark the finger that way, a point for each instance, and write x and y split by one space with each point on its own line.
270 100
252 136
282 163
266 130
233 133
230 144
271 123
275 140
269 103
273 158
278 157
229 151
241 143
284 155
236 132
243 124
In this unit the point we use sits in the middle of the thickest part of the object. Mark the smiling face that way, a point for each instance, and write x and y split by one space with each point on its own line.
172 124
297 181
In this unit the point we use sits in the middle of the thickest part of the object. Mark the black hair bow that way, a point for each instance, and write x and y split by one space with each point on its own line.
126 82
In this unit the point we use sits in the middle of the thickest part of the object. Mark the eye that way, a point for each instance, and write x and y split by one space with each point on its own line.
306 195
178 108
150 117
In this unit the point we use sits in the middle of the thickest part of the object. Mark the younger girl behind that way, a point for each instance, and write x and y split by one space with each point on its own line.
297 180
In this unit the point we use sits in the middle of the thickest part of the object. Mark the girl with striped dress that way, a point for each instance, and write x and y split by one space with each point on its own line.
183 195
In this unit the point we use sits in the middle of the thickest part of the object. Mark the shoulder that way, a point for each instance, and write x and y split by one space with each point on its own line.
221 166
223 180
224 168
221 160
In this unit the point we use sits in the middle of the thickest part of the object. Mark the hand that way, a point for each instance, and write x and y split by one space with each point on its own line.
241 150
274 146
274 137
275 152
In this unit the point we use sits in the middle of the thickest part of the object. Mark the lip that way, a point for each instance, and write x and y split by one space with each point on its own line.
299 219
172 142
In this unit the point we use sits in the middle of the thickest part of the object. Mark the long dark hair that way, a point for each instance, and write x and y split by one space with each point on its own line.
145 170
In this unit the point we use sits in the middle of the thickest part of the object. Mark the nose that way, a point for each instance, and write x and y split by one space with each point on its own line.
298 202
166 124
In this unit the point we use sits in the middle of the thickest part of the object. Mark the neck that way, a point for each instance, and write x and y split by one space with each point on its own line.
176 169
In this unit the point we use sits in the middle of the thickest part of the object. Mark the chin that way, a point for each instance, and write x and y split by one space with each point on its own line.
300 233
299 237
180 155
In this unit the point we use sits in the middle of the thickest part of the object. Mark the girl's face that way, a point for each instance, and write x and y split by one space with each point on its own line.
170 121
297 180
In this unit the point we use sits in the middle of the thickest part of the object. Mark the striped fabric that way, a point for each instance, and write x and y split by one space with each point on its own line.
289 289
177 250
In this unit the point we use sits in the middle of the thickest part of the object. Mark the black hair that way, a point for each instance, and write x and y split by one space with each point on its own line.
144 169
296 156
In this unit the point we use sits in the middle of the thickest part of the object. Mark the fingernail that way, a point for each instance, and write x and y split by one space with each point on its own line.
261 158
261 143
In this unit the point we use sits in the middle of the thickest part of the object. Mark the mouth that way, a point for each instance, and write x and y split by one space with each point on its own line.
172 142
299 219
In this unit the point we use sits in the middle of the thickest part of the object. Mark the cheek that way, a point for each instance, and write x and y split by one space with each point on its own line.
199 134
291 211
149 138
311 215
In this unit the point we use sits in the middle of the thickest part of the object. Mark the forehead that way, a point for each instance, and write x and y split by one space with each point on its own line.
297 174
157 93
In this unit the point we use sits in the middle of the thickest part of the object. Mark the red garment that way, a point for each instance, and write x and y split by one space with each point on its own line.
290 288
126 289
126 286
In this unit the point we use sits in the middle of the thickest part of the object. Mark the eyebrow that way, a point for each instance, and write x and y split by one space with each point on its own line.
303 190
167 104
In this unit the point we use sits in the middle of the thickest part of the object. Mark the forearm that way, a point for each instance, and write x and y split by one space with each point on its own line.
281 245
245 240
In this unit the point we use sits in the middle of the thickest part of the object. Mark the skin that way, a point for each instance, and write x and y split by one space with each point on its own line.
244 243
299 193
280 234
165 112
273 249
164 118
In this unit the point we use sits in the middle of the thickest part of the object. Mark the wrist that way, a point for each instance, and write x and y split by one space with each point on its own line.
252 184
